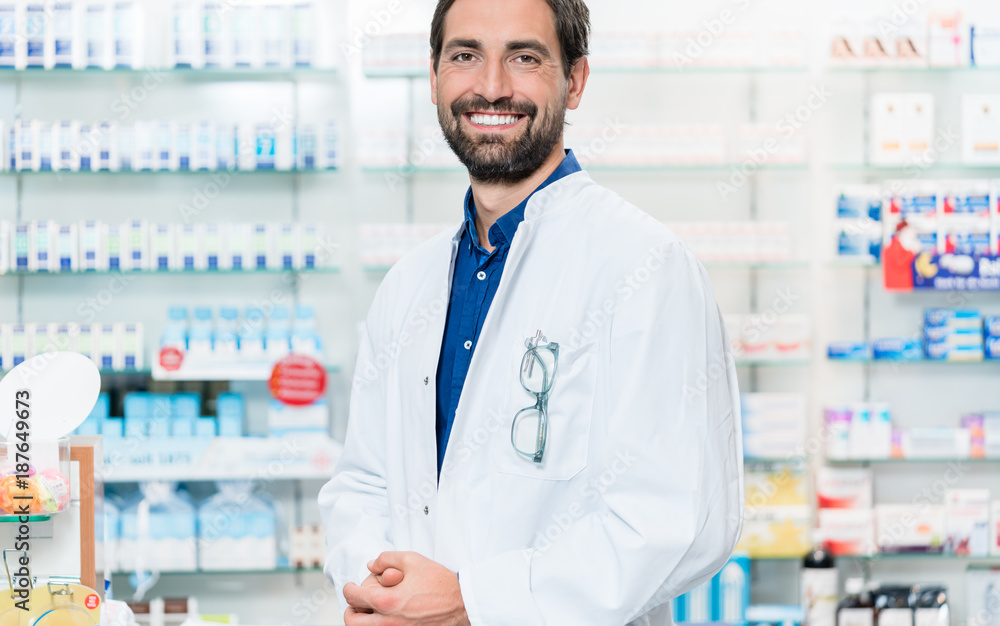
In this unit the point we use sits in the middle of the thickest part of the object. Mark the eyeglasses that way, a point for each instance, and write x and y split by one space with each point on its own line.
538 371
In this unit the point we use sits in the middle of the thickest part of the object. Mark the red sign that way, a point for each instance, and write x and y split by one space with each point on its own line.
297 380
92 601
171 359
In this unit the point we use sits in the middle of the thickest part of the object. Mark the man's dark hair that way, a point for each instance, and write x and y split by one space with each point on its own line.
572 28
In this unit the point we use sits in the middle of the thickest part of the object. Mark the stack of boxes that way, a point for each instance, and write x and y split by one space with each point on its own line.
991 337
167 415
845 519
777 516
774 425
953 335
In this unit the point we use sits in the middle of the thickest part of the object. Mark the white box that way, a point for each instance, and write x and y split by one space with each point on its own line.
985 44
135 245
42 256
186 36
11 44
97 35
5 360
6 247
163 247
21 244
107 350
191 247
844 488
236 246
246 36
93 249
129 349
26 157
128 32
936 443
35 27
165 142
246 146
43 147
105 158
88 341
995 528
263 247
67 246
981 129
848 532
312 252
65 156
910 528
116 248
968 521
143 146
20 344
947 40
204 149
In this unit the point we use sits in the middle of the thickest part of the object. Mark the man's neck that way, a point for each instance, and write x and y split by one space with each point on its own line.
493 201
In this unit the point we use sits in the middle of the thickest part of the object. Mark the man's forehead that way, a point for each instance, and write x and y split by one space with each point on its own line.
503 21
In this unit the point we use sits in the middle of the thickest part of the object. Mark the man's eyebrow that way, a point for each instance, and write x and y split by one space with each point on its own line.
472 44
530 44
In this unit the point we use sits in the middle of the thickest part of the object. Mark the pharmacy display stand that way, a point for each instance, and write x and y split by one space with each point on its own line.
56 479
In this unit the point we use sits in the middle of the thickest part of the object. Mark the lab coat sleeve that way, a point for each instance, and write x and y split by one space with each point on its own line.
671 468
353 504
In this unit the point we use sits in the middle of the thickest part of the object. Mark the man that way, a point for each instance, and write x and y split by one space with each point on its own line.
544 423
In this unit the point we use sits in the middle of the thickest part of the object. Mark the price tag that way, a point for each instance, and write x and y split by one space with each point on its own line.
297 380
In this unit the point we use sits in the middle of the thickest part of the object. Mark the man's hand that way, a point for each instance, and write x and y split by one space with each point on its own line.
413 590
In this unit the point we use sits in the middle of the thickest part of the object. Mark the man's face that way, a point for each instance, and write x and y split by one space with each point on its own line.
500 89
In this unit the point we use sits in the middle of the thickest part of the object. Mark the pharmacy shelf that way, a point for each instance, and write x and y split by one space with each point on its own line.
792 460
917 362
912 69
911 461
250 372
137 173
424 71
772 362
713 168
909 168
137 459
186 73
718 265
928 556
216 272
233 572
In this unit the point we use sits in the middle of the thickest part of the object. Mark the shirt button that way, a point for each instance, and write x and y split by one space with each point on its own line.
468 345
427 511
481 275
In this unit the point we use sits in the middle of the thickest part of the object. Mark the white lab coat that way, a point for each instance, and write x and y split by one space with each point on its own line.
640 495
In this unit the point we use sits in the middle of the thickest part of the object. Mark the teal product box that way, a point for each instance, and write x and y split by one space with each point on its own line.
991 326
849 351
158 427
136 405
161 406
954 318
205 428
775 615
229 405
992 348
136 426
113 428
898 349
731 591
945 351
695 606
958 337
230 425
186 405
183 426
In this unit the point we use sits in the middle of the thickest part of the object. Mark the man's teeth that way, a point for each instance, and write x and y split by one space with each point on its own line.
493 120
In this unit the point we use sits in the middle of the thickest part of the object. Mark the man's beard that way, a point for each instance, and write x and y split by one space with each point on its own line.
493 159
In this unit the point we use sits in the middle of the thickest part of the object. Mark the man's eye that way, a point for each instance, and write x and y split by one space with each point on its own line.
526 59
464 57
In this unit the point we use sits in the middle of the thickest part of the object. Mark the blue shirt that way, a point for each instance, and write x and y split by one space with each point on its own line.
474 283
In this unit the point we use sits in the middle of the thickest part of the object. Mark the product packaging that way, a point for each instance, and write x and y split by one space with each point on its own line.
968 520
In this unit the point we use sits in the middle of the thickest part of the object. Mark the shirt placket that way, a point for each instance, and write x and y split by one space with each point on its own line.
472 312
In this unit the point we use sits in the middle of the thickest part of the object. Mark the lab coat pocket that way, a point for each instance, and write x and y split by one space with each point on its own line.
570 406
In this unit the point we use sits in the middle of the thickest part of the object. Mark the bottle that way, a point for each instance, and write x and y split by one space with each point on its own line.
892 606
930 605
857 608
818 584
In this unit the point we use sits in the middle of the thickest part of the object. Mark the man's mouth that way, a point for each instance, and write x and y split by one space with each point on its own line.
494 121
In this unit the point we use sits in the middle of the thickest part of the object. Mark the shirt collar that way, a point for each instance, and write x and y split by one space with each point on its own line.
502 232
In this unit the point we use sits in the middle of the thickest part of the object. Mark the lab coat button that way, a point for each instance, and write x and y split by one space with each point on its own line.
468 345
427 510
427 379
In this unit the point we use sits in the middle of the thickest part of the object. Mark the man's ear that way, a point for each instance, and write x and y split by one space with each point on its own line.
577 82
434 82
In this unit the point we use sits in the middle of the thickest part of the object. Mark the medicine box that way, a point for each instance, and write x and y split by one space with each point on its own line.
844 488
910 528
968 520
847 532
981 129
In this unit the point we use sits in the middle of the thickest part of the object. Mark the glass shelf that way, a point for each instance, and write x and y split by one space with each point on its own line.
772 362
720 265
794 460
409 169
839 462
424 71
85 173
919 362
315 270
187 73
231 572
913 69
907 167
930 556
330 369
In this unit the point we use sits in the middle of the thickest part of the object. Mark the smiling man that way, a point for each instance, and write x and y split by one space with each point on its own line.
544 423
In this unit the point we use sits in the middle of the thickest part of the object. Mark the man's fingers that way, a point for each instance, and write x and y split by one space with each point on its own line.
357 617
358 597
390 577
387 560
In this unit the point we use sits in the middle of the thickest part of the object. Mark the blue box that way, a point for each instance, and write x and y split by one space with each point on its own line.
898 349
992 348
230 426
183 426
161 406
158 427
991 326
186 405
953 336
136 426
229 405
731 591
102 409
113 428
945 351
136 405
205 427
849 351
955 318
